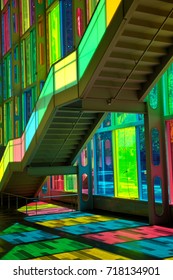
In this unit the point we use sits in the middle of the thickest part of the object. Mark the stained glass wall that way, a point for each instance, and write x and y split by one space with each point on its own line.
49 31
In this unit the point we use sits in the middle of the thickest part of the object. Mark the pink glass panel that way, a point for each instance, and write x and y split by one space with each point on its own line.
17 150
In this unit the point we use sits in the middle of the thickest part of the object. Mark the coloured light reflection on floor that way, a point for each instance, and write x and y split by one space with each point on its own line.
132 234
81 229
83 236
86 254
27 237
75 221
60 216
16 228
40 249
40 208
161 247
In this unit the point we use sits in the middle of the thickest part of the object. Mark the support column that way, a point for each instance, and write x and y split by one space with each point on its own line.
85 180
156 169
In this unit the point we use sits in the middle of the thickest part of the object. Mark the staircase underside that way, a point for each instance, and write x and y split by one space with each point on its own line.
134 53
131 57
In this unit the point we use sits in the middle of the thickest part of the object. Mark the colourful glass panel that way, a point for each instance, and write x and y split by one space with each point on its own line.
29 49
8 121
30 130
70 183
84 157
168 87
108 120
7 77
123 119
153 97
33 55
32 11
54 35
85 186
3 2
23 64
8 154
92 37
67 40
6 31
45 97
16 66
65 73
125 161
142 170
57 182
111 8
157 190
28 60
169 131
15 23
17 150
90 6
25 15
103 171
49 2
155 146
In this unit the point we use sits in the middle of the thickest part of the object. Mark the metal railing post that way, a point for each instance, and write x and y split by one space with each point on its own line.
17 204
26 207
1 199
8 201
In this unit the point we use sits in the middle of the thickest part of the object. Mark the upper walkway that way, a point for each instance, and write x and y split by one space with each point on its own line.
125 49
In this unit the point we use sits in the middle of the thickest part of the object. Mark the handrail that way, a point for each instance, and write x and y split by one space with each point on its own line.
34 199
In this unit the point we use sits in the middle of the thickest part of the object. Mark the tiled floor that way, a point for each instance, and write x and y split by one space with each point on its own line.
75 235
40 208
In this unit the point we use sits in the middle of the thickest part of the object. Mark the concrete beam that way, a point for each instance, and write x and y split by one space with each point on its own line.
52 170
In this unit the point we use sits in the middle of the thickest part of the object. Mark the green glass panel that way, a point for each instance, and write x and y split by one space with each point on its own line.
23 64
125 118
49 2
33 56
45 97
70 183
8 122
92 37
54 35
25 15
91 5
126 177
169 88
142 162
153 97
28 61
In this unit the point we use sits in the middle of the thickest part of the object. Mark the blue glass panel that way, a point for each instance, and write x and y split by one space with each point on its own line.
107 122
103 178
30 129
67 42
155 146
157 189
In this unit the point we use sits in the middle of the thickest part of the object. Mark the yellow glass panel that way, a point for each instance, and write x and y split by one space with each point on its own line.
65 73
111 7
6 158
11 151
1 170
70 58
